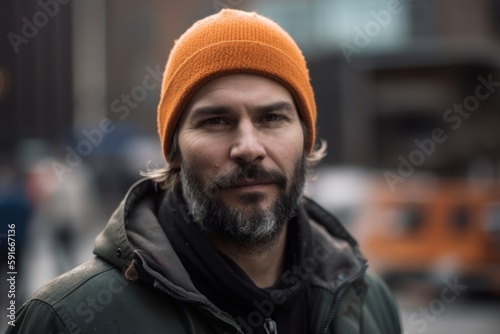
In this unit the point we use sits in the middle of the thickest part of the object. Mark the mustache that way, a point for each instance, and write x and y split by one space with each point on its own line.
237 175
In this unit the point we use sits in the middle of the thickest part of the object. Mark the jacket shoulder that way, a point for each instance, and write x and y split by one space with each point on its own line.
96 297
52 308
37 317
63 286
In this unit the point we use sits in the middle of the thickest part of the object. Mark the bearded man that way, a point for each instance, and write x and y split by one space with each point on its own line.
223 239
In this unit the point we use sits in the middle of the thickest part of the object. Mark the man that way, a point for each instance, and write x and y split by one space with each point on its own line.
222 240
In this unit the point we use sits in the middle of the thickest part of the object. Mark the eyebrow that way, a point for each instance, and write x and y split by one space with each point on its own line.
276 106
225 109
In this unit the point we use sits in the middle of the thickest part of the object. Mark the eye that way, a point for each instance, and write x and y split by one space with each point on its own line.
214 121
273 118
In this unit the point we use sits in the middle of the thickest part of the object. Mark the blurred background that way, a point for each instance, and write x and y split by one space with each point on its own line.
408 101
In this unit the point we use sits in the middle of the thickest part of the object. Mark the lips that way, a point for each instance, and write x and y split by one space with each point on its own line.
250 183
249 177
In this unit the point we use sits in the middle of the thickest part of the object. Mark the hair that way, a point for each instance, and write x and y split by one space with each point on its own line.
168 177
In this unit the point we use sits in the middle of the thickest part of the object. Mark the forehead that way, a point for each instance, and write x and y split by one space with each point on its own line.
239 88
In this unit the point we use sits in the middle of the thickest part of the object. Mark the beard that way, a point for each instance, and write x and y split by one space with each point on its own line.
249 226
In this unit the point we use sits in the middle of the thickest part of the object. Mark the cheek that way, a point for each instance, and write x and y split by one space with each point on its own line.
289 147
201 153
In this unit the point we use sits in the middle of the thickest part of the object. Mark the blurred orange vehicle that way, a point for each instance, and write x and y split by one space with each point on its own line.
429 229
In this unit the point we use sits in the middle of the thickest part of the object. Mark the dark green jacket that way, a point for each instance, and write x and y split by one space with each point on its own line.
137 284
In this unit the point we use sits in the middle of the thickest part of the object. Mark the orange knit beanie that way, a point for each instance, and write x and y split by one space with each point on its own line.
229 42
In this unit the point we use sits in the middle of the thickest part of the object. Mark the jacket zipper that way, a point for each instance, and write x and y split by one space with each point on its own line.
220 314
157 284
160 286
333 313
270 326
338 297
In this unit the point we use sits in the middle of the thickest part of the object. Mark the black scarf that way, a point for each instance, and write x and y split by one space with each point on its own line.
226 285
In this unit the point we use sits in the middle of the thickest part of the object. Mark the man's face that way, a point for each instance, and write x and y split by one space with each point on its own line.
242 157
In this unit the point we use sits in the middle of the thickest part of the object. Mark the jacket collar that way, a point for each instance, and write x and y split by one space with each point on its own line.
134 241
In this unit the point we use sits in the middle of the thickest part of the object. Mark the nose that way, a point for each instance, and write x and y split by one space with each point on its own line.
247 147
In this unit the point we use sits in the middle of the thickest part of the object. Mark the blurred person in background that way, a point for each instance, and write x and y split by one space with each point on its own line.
65 221
222 240
55 222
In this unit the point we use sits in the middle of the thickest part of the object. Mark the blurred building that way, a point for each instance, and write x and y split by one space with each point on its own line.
35 74
64 63
84 77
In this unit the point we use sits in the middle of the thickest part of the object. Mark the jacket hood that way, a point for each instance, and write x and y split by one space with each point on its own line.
134 241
